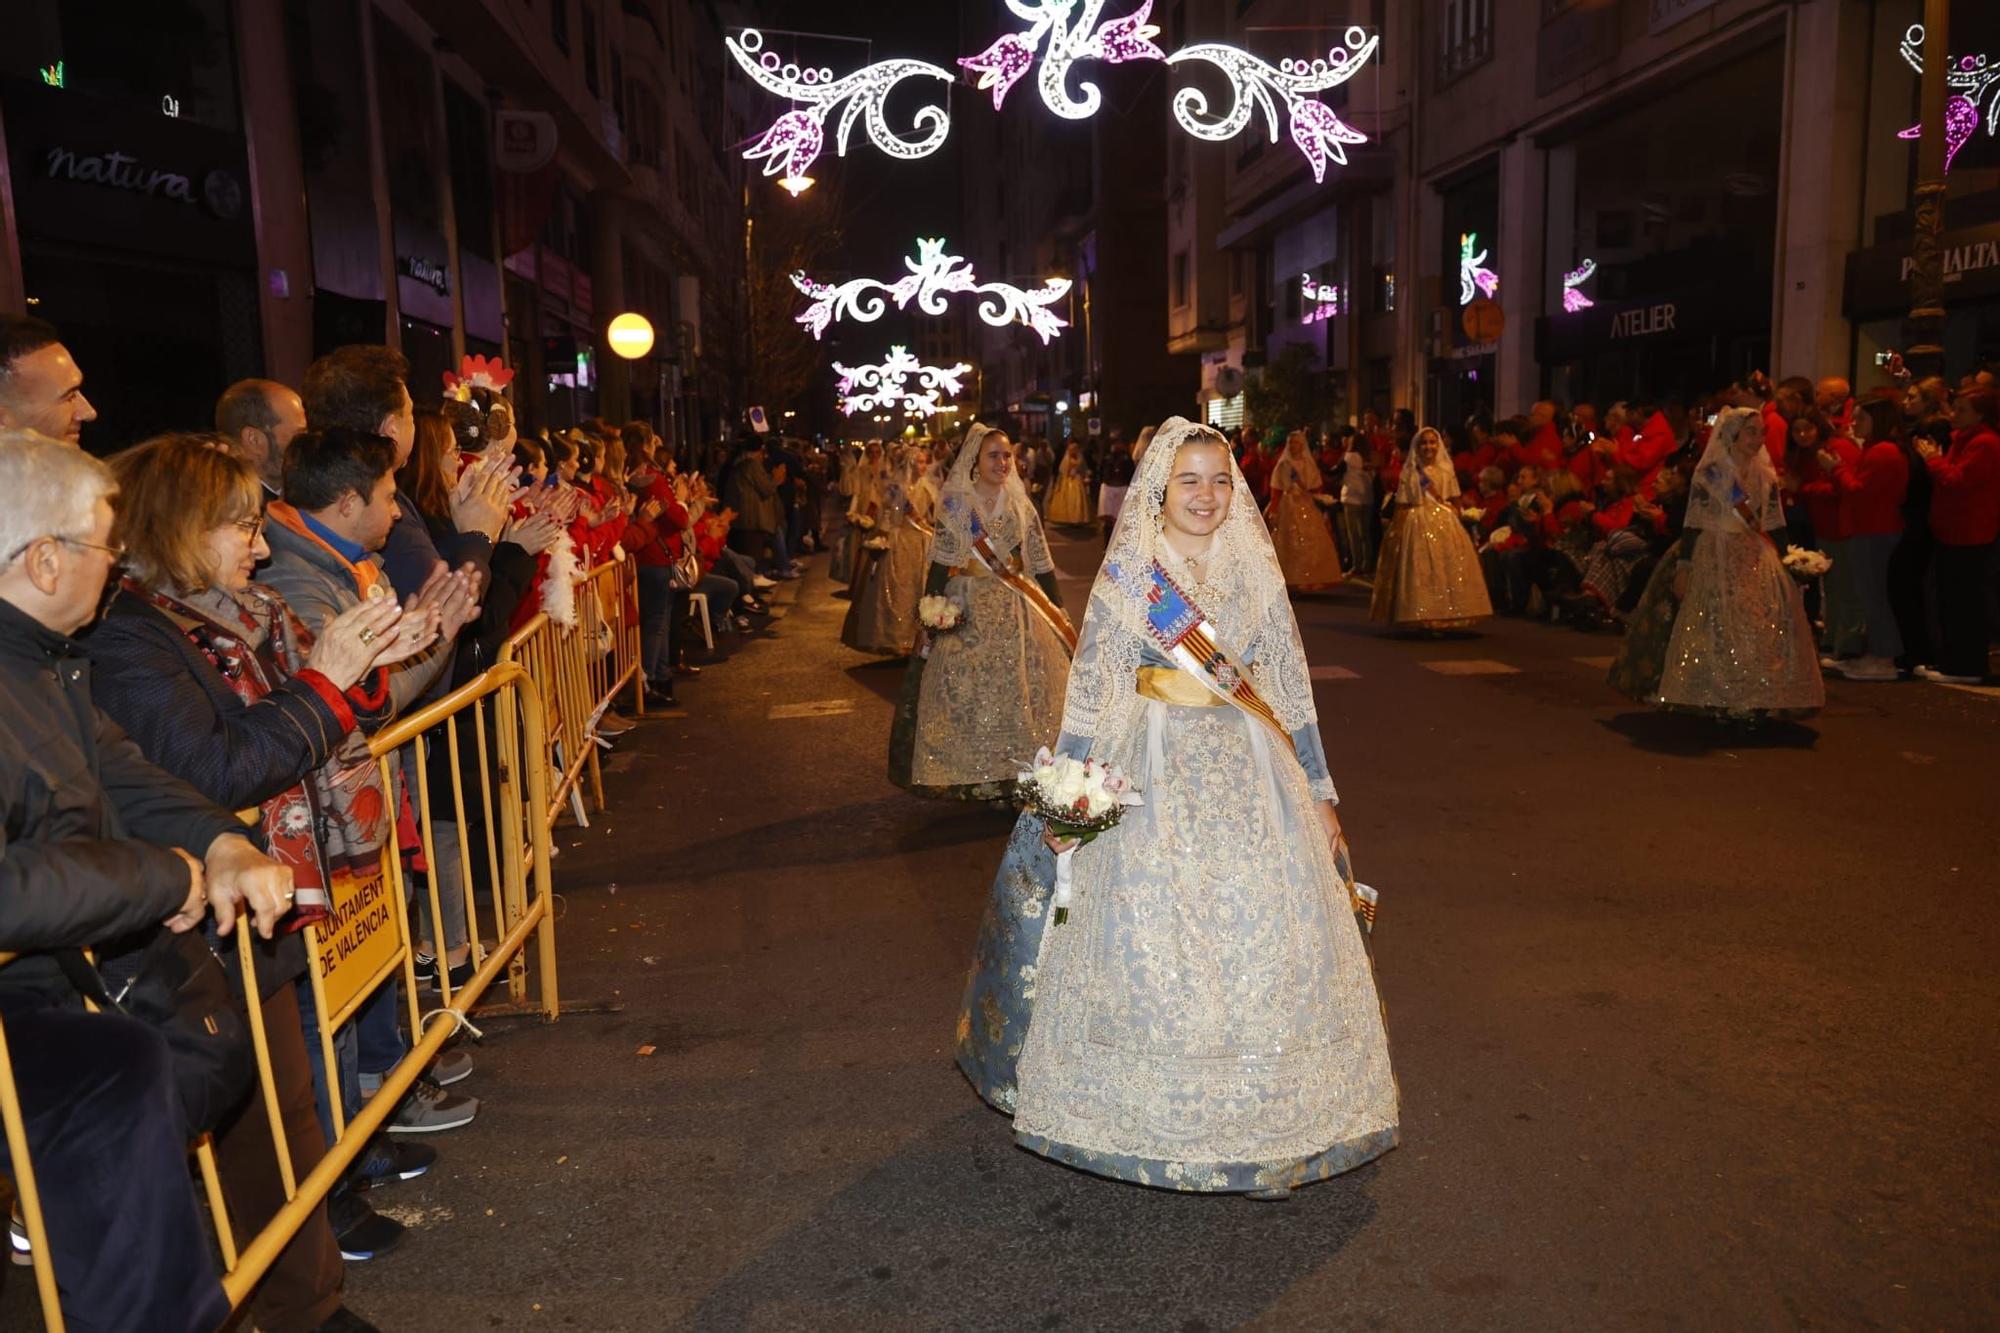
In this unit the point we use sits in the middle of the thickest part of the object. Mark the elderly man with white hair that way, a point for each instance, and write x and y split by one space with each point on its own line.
102 851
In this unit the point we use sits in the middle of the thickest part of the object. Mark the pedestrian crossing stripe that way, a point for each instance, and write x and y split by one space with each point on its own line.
1334 673
811 708
1470 666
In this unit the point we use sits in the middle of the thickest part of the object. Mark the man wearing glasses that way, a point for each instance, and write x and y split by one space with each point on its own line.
98 849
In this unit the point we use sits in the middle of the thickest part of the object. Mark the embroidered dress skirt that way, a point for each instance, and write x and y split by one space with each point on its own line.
1741 645
883 615
989 696
1069 502
1207 1018
1429 574
1304 543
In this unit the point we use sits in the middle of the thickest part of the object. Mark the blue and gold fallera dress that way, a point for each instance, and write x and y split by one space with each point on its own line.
1206 1019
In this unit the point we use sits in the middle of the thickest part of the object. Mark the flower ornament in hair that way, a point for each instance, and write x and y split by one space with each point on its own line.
477 372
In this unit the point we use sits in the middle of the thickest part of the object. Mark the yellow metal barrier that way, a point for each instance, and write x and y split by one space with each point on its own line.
517 846
607 603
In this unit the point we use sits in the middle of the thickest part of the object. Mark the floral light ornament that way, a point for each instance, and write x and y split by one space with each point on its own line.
1319 134
1970 80
1573 298
885 386
1321 299
794 141
933 275
1474 278
1072 36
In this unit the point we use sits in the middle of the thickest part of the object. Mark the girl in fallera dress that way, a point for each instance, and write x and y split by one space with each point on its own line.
1069 501
1741 647
1306 552
883 615
865 502
978 700
1206 1019
1428 575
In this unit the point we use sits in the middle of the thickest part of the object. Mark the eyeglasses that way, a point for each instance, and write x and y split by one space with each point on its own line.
251 528
116 550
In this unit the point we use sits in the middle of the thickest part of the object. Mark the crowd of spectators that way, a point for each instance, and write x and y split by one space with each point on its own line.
201 633
1571 508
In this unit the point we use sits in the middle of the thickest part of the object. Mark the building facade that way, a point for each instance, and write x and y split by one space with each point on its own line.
232 188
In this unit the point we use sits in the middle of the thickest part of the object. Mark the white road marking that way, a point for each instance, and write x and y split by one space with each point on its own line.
1334 673
811 708
1470 666
1983 691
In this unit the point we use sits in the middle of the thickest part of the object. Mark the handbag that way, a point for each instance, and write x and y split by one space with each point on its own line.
176 985
686 571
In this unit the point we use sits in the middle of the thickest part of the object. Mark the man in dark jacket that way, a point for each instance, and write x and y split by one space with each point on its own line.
101 850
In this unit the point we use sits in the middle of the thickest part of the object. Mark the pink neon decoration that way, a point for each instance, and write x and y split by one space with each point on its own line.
790 146
1129 38
1961 119
1319 134
1001 65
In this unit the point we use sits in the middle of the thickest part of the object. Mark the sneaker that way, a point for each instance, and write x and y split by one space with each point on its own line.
1937 677
1867 668
427 974
386 1161
763 584
21 1251
429 1109
362 1232
453 1066
613 725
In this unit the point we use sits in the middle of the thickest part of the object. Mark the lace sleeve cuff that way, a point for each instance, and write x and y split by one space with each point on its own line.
1322 790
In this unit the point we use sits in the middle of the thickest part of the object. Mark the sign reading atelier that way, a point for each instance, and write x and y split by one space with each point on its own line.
360 941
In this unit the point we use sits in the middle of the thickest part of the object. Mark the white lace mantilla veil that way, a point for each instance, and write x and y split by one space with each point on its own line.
1302 466
1244 599
1729 465
1014 524
1443 475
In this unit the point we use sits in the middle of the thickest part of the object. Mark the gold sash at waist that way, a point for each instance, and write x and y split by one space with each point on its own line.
1171 685
970 570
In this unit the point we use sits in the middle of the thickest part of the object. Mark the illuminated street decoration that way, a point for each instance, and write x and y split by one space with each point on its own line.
793 142
1005 62
1474 279
1573 298
933 276
53 75
1971 81
887 386
1320 300
1316 130
1059 35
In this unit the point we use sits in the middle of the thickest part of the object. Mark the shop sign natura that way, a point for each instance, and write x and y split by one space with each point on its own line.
118 171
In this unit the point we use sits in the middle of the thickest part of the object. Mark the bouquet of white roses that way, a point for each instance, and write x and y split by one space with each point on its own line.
939 614
1076 799
861 521
1497 539
876 544
1806 565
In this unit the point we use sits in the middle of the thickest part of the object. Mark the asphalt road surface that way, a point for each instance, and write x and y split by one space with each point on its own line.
1694 1029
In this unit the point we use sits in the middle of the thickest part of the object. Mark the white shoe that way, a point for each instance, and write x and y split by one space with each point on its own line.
1867 668
763 584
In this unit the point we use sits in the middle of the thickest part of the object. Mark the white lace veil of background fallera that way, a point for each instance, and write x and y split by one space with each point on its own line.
1298 464
1244 598
1444 476
1734 462
1013 526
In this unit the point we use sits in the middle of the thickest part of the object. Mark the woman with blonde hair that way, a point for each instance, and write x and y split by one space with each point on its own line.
220 685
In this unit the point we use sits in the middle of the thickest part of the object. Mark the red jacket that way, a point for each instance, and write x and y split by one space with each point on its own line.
1829 516
1965 488
1871 487
1649 448
1542 450
1777 437
658 542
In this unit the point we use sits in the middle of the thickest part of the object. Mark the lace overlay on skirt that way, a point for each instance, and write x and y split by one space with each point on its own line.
1741 643
1207 1019
883 616
1304 543
1429 572
992 691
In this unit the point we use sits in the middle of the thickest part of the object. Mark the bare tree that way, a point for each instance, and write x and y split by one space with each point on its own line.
787 236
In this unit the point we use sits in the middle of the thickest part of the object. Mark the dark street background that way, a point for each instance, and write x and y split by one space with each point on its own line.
1693 1030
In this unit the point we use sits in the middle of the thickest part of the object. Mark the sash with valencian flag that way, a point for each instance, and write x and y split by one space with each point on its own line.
1181 629
1030 591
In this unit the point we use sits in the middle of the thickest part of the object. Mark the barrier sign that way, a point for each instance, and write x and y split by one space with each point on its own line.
361 941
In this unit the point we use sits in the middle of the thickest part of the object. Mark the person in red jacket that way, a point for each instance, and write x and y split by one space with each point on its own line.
1543 447
1815 454
1965 520
1871 485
